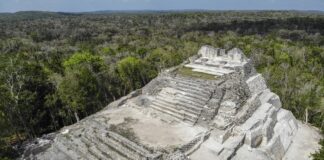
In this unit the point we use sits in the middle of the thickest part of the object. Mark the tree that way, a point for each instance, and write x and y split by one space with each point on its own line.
134 73
80 87
161 59
23 88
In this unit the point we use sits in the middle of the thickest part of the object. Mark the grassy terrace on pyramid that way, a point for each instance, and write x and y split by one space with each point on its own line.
213 106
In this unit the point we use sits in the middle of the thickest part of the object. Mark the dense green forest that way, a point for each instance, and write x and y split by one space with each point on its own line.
57 68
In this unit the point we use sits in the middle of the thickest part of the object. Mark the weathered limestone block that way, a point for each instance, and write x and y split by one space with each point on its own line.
194 144
236 55
236 90
286 127
178 155
269 124
268 130
209 70
220 136
208 52
253 137
222 121
231 145
247 109
248 69
275 101
218 93
269 97
256 84
193 58
228 108
222 52
211 109
259 126
275 150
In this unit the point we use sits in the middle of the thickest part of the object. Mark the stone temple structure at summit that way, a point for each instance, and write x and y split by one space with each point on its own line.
214 106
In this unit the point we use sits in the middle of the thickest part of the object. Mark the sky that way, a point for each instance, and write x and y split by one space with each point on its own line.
96 5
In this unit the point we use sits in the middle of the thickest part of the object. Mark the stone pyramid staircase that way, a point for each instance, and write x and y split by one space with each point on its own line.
183 99
93 143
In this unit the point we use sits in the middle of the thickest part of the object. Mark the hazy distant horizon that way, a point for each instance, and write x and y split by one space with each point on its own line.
166 10
157 5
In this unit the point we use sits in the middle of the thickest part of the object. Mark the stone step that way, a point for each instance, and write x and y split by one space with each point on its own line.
226 154
175 115
231 145
119 148
260 114
176 108
84 148
195 88
102 147
178 117
176 105
99 154
189 82
202 94
70 150
229 68
90 146
234 142
191 104
96 148
246 111
214 72
129 144
77 146
69 154
193 94
192 100
185 114
126 147
185 105
209 70
185 98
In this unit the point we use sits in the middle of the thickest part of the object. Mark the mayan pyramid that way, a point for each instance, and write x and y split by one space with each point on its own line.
212 106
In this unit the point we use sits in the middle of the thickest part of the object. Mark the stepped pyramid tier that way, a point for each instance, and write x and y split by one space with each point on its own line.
214 106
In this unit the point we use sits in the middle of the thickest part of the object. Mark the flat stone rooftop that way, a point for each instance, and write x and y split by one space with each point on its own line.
152 131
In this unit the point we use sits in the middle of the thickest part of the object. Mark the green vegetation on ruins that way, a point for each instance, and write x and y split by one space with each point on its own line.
57 68
185 71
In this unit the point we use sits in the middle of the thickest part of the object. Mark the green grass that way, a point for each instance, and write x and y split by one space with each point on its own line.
185 71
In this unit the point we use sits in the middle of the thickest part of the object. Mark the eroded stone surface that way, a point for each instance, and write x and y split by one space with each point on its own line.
178 117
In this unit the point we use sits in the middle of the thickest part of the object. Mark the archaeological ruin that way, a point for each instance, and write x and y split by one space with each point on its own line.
214 106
